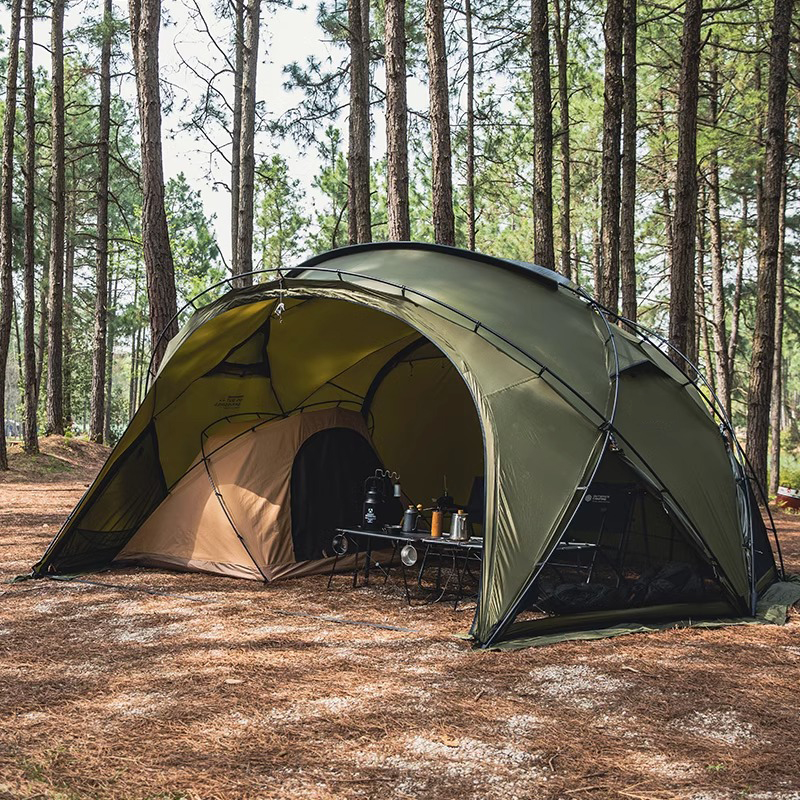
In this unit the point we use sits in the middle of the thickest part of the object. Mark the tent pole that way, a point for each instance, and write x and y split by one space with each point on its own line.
228 516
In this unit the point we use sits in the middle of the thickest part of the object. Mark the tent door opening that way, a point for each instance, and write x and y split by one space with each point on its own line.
326 488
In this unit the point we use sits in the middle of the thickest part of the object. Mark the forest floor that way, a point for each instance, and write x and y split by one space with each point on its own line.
220 689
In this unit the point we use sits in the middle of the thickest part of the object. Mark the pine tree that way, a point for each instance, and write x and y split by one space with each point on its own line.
6 207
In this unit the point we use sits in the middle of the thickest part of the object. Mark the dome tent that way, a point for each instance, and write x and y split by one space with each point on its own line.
478 365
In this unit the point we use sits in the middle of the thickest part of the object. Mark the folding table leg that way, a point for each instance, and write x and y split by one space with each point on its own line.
368 562
405 584
391 561
459 579
422 565
356 570
333 570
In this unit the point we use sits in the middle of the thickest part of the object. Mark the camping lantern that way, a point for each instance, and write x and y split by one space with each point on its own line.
377 498
372 516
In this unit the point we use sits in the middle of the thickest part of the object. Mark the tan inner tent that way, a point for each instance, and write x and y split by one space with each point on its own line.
322 365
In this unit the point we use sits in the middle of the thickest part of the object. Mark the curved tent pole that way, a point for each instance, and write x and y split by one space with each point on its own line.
264 418
393 362
228 516
716 408
476 325
748 544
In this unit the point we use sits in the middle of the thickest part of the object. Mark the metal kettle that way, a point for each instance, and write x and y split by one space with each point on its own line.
410 519
459 526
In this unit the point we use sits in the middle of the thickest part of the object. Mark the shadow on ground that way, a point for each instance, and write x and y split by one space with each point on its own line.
218 692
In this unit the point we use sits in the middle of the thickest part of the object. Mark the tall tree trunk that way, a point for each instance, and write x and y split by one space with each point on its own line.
768 235
247 160
17 341
470 165
736 301
612 130
97 405
444 227
359 220
681 308
666 203
140 379
69 282
776 409
236 129
562 28
132 392
757 86
145 24
140 371
132 377
666 198
597 259
627 243
542 137
722 369
397 122
44 316
55 328
6 207
107 434
30 425
704 336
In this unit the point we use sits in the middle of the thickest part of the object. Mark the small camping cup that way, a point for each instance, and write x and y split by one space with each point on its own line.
408 555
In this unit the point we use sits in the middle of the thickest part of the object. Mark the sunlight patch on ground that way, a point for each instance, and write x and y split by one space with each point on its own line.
728 727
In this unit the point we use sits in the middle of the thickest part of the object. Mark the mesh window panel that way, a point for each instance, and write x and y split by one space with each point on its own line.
128 495
622 550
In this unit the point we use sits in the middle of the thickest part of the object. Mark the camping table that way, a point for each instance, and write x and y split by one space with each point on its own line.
439 545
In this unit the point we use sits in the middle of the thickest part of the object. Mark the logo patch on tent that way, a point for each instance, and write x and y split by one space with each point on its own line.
597 498
230 401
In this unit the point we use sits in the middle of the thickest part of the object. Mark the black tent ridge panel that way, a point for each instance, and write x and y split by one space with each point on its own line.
554 382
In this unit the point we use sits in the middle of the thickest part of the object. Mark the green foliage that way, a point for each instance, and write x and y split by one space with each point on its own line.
790 477
293 218
194 249
196 255
331 219
280 225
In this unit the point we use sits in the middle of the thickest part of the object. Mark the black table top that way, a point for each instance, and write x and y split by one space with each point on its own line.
396 534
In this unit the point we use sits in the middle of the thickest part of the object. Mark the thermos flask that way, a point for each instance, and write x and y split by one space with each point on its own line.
436 523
